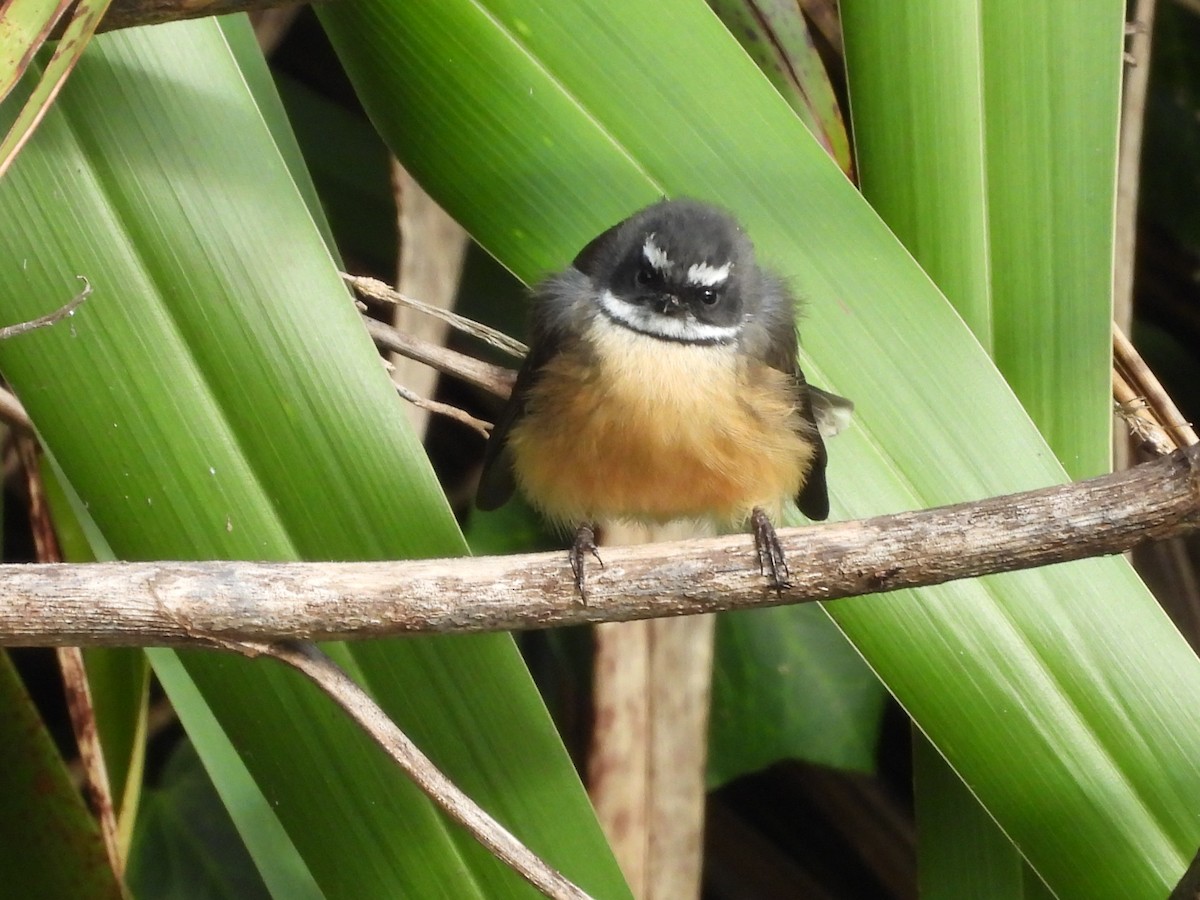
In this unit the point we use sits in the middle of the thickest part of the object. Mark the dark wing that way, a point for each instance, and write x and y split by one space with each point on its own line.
780 353
497 481
553 313
833 413
813 498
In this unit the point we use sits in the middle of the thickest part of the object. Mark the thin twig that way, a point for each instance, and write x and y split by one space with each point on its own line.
365 712
76 688
1138 418
1133 116
11 331
377 290
492 378
205 603
1130 365
445 409
82 712
12 412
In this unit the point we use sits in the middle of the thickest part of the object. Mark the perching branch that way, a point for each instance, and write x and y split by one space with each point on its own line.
218 603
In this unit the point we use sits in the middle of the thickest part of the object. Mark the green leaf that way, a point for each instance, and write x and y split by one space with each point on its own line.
537 128
1052 85
776 36
787 684
24 25
50 845
942 92
961 852
74 41
915 73
218 397
186 838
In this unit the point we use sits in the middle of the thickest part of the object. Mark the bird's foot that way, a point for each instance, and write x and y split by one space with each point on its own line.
585 543
771 562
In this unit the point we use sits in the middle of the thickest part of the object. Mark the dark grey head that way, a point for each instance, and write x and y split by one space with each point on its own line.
679 270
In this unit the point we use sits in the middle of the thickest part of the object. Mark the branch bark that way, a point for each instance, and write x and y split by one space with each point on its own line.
221 603
131 13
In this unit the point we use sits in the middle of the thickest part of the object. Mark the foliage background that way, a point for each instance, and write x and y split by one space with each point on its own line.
217 398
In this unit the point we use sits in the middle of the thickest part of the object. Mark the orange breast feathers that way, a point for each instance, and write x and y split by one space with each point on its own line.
627 427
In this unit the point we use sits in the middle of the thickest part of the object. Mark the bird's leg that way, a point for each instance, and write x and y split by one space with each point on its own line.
771 561
585 543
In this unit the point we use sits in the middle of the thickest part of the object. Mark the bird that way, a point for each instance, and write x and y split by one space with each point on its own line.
662 384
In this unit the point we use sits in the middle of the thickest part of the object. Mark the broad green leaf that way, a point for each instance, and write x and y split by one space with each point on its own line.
916 79
776 36
186 838
226 402
960 851
50 845
1052 84
538 127
250 62
24 25
75 38
788 685
930 85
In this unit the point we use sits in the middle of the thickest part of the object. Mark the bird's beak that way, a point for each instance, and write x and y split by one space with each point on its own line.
668 303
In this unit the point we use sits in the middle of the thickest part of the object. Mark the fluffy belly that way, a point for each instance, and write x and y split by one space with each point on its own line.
651 431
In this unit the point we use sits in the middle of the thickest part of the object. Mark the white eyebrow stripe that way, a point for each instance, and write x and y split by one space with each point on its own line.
704 275
646 321
655 255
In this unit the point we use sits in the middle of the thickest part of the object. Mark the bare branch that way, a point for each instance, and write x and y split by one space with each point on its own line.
68 309
492 378
1129 367
1133 114
131 13
445 409
365 712
377 290
11 410
214 603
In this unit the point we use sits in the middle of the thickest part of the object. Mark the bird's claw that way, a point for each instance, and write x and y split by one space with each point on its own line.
585 543
771 562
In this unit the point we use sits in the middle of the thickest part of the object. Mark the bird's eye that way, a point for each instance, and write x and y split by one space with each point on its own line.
708 296
647 275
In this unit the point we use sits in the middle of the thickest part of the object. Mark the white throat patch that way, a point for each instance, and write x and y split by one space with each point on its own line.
646 321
